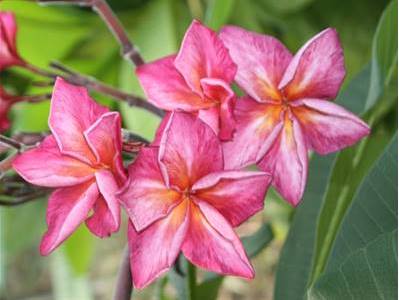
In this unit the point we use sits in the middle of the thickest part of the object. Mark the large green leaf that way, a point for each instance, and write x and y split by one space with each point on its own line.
296 256
385 53
364 256
218 12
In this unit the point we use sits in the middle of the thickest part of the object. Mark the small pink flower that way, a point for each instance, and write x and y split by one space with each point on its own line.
6 101
8 50
179 198
82 159
196 80
287 112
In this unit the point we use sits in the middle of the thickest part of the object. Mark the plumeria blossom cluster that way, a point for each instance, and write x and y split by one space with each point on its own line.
186 191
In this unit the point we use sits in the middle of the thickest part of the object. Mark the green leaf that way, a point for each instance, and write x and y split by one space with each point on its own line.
218 13
364 256
385 53
79 249
368 273
296 256
253 245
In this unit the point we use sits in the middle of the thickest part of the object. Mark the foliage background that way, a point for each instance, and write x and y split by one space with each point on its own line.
349 214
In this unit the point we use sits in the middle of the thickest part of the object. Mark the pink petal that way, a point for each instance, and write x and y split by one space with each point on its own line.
257 127
327 126
72 112
287 161
145 196
211 117
202 54
106 218
317 70
8 51
101 223
160 129
261 62
105 141
212 244
221 92
154 250
67 208
46 166
166 88
237 195
187 147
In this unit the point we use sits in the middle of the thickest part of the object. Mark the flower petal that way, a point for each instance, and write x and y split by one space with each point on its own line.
46 166
317 70
145 196
72 112
327 126
212 244
287 161
187 147
257 127
166 88
237 195
261 61
221 92
105 141
203 54
106 218
8 51
67 208
154 250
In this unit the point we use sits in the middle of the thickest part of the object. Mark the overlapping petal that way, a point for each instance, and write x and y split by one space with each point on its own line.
67 209
189 150
145 196
327 126
47 166
104 140
237 195
212 244
154 250
317 70
261 62
166 88
72 112
203 55
287 160
258 125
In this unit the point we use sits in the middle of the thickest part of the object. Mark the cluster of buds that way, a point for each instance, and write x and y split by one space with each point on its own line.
188 189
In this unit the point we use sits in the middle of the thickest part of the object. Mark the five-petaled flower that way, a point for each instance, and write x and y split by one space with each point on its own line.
8 50
82 160
287 112
196 80
180 198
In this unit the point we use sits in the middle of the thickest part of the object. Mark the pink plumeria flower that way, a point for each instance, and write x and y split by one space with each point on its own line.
196 80
82 160
179 198
8 50
287 111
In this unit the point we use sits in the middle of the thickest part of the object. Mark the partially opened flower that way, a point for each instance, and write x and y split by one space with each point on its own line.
8 49
287 112
180 199
6 101
197 80
82 160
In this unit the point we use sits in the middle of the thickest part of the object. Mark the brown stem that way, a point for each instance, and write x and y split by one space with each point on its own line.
101 7
32 98
124 287
11 143
22 199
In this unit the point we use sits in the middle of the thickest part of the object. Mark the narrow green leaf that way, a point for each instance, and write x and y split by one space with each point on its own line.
218 13
385 53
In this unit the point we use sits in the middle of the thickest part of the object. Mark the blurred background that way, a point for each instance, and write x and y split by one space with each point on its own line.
85 267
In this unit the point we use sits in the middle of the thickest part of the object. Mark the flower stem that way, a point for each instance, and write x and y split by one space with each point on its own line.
191 278
124 286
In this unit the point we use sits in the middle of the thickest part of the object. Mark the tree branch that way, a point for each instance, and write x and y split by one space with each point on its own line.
23 199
